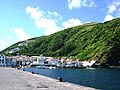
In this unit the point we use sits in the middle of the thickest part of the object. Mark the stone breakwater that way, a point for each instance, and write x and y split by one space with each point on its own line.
13 79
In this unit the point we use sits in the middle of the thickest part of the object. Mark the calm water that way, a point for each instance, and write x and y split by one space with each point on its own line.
104 79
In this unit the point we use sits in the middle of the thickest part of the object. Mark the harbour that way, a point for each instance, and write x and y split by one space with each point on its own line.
77 72
60 45
99 78
14 79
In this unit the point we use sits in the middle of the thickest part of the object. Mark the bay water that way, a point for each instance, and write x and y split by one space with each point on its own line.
102 78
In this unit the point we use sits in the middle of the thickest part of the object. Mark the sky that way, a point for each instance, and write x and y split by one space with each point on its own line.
24 19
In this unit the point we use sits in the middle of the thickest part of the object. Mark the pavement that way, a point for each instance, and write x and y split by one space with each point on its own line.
14 79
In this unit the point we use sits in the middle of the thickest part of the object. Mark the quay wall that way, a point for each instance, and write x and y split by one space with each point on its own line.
14 79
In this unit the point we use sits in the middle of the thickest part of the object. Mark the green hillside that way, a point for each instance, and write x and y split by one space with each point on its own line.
99 41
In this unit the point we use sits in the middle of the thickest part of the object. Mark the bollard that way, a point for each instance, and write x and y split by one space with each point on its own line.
60 79
33 73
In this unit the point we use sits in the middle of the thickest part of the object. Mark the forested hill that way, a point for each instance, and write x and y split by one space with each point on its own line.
99 41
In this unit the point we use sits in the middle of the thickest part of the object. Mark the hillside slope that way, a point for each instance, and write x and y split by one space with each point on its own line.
99 41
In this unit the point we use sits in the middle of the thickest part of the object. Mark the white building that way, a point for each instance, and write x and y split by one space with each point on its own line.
7 62
88 63
52 61
40 60
2 60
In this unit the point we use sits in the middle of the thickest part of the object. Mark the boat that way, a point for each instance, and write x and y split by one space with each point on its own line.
90 68
45 67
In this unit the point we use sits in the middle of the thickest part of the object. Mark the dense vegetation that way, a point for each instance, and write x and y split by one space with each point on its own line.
99 41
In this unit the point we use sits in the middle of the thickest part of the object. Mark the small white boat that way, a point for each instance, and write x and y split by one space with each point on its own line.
42 67
90 68
45 67
52 67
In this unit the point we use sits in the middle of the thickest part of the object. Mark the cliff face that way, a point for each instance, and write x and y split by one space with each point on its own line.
99 41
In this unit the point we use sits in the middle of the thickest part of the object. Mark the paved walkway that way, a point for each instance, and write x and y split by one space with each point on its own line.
13 79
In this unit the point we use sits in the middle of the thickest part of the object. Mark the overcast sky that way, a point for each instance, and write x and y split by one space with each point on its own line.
24 19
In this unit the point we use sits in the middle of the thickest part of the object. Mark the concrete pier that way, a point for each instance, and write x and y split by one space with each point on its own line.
13 79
